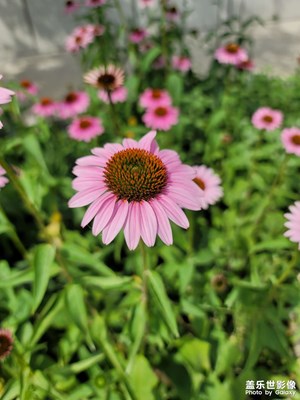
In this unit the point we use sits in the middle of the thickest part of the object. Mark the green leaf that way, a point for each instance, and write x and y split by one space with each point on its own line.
143 379
76 306
108 283
175 86
149 58
162 301
42 261
32 146
195 353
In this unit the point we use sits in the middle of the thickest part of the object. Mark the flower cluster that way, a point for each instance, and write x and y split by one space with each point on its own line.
82 36
160 114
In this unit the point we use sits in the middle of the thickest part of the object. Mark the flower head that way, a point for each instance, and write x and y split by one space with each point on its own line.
85 128
118 95
293 224
137 187
94 3
232 53
246 65
290 138
146 3
267 118
3 179
172 13
6 343
181 63
161 117
155 98
5 97
46 107
71 6
210 185
107 78
138 35
74 103
5 94
80 38
29 86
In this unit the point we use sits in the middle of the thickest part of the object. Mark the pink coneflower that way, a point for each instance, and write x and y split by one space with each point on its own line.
118 95
137 35
290 138
181 63
106 78
85 128
6 343
29 87
5 94
79 39
46 107
232 53
155 98
172 13
5 97
146 3
71 6
267 118
74 103
3 179
161 118
94 3
136 187
209 183
246 65
293 224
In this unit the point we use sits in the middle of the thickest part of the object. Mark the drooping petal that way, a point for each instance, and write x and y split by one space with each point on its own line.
164 227
174 212
116 223
94 209
84 198
132 228
148 223
104 214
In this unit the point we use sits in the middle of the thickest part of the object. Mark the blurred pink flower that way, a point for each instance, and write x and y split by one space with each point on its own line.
6 343
29 87
3 179
5 94
107 77
232 53
85 128
71 6
267 118
172 13
161 118
136 187
155 98
181 63
118 95
74 103
159 62
5 97
146 3
94 3
290 138
210 185
246 65
138 35
46 107
82 36
293 224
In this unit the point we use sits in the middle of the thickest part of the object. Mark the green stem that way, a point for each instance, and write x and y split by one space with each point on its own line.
285 274
277 180
27 202
114 115
14 236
